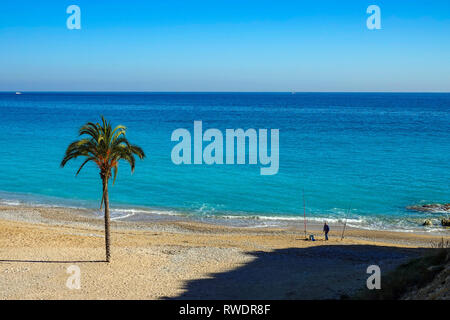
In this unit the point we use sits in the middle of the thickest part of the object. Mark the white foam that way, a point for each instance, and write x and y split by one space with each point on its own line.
10 202
126 213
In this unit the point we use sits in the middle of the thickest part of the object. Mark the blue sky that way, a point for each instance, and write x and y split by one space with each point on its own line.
227 45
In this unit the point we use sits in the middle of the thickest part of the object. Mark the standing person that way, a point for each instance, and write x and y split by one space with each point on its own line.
326 229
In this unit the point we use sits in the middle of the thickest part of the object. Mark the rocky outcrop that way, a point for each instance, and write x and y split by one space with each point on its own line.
436 207
445 222
438 289
427 223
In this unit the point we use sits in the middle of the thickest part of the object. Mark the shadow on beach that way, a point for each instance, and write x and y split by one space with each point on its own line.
322 272
54 261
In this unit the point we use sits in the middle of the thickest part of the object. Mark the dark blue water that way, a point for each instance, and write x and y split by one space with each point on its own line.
376 153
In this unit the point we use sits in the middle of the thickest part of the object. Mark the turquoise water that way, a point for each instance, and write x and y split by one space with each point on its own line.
376 153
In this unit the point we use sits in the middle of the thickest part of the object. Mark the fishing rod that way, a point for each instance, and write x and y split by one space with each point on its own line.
345 223
304 211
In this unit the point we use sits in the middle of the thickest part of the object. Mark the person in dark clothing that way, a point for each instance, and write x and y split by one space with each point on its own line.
326 229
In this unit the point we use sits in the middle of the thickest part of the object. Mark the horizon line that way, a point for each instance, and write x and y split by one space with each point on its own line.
178 91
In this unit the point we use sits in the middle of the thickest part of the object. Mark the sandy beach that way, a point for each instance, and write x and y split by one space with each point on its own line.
187 260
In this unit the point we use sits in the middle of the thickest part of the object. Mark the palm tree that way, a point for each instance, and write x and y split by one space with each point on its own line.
105 147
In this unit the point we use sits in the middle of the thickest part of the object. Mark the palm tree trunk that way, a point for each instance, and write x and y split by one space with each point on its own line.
107 233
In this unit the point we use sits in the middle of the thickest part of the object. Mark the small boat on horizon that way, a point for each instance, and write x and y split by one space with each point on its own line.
18 92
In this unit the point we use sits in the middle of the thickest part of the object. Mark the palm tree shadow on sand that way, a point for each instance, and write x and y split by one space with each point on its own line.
322 272
52 261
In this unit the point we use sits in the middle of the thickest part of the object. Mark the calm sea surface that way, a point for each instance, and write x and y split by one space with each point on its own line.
374 153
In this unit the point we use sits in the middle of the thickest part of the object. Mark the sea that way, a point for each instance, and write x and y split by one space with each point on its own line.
355 158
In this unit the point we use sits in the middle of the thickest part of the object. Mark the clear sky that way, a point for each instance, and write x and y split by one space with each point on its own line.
225 45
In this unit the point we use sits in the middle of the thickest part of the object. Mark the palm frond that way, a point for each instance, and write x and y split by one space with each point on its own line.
104 146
